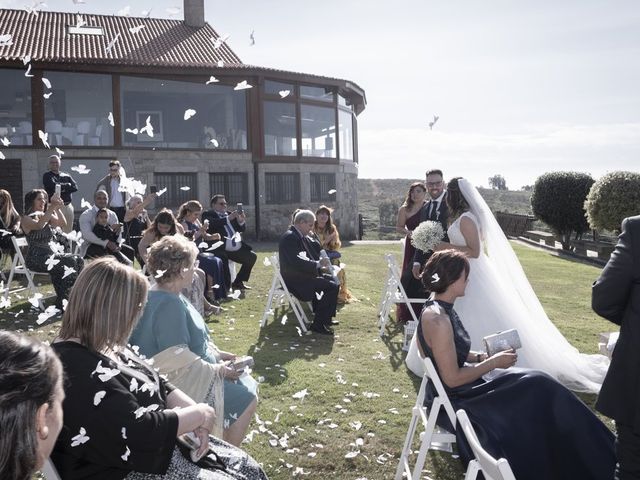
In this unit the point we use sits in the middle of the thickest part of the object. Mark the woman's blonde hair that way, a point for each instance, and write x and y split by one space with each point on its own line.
171 255
105 304
188 207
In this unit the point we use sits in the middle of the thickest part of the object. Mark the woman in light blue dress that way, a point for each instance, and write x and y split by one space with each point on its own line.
171 328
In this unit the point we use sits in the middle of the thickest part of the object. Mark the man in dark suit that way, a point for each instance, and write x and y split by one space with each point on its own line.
229 225
616 297
304 273
435 209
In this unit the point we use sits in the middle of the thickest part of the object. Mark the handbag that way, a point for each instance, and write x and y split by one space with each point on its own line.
209 461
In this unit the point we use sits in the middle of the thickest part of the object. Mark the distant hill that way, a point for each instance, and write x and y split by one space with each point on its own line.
373 192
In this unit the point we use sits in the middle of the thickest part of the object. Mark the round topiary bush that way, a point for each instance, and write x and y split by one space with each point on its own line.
558 200
613 198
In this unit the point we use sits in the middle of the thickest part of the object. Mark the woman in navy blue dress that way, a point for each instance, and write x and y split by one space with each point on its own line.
523 415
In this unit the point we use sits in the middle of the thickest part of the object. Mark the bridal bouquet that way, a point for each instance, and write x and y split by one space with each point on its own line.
427 235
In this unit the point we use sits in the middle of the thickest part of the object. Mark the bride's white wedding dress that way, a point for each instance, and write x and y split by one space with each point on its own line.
499 297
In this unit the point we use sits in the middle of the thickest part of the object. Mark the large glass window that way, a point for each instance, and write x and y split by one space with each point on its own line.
174 183
318 131
280 128
345 120
77 109
183 114
234 186
321 185
282 187
323 94
15 107
274 88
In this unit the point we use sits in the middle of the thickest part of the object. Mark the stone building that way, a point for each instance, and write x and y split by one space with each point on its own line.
273 140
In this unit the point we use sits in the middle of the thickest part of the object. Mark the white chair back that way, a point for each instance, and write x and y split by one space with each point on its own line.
491 468
432 437
278 293
19 267
393 292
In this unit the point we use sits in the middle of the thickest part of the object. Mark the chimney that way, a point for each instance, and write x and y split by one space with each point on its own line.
194 13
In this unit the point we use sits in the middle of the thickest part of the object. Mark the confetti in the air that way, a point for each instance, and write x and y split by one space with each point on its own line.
243 85
81 438
188 113
284 93
97 398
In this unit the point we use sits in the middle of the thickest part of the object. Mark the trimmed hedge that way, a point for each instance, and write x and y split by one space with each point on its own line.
558 200
613 198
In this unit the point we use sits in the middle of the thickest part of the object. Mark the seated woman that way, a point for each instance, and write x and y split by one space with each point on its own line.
175 335
189 218
136 221
523 415
30 405
329 238
166 224
9 222
104 231
38 222
121 419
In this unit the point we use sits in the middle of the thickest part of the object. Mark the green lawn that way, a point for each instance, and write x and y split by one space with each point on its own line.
359 393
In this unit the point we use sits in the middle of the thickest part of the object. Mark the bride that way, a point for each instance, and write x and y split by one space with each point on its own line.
499 288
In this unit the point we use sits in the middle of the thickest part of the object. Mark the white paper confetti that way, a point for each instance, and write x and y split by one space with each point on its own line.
243 85
97 398
188 113
81 438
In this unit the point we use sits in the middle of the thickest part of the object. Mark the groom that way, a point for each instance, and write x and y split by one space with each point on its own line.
616 297
435 209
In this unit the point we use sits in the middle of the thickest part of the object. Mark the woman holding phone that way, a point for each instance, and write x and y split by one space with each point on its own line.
38 223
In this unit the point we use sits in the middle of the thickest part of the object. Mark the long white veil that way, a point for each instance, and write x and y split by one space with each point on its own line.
546 348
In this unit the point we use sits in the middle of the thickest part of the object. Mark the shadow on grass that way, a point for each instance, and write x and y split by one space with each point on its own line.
279 344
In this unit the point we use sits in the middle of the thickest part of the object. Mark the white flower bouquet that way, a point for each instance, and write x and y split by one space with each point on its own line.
427 235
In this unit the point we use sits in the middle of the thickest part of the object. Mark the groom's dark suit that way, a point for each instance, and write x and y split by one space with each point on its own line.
438 212
302 278
616 297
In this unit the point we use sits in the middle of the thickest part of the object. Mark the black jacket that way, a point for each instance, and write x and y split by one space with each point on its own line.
441 215
616 297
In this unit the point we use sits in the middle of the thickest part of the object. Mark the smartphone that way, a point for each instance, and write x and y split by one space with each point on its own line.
58 189
239 208
242 362
153 189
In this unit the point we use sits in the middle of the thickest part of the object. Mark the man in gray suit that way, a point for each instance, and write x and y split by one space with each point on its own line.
616 297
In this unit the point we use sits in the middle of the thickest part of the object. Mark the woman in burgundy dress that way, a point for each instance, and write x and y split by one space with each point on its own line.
408 220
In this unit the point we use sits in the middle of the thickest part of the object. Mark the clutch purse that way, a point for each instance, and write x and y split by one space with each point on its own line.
501 341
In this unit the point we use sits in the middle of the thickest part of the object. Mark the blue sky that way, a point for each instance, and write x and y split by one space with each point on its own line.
521 87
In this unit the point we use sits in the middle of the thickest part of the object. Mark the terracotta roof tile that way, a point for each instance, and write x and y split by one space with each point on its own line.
162 42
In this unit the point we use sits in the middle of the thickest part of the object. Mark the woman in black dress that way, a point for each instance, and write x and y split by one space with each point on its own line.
525 416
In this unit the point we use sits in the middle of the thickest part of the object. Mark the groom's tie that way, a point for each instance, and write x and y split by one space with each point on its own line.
433 209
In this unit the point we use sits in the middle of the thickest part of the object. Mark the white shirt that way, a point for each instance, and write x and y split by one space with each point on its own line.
87 221
115 196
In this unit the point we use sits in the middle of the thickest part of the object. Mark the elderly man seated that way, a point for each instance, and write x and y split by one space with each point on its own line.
306 275
87 223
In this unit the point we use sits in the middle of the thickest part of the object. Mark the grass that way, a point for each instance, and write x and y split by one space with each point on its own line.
356 379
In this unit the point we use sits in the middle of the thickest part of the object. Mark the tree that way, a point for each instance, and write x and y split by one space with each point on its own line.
497 182
613 198
558 200
526 188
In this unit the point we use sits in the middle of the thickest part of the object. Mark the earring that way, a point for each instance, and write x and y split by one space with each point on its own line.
44 433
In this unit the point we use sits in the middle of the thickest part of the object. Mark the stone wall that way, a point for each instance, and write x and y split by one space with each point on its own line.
141 164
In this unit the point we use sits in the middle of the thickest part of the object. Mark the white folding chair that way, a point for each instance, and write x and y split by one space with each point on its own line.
19 267
49 471
278 293
393 292
432 437
491 468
